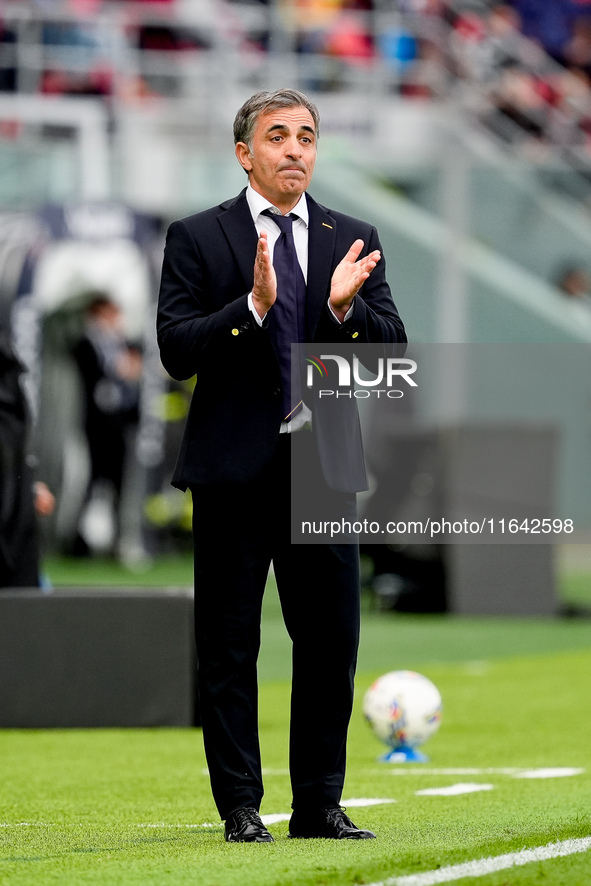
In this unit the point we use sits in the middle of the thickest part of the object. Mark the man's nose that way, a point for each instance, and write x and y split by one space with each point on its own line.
293 147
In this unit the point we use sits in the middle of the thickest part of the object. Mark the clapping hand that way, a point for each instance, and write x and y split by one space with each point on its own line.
264 287
349 276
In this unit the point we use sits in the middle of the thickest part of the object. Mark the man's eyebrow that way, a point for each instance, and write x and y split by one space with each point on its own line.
285 128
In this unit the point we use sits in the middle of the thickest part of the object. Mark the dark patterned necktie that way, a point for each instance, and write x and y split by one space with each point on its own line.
287 316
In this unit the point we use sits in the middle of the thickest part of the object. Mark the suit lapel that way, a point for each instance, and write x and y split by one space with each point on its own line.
241 234
322 233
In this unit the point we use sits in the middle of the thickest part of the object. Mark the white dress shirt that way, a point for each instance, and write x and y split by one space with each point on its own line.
257 205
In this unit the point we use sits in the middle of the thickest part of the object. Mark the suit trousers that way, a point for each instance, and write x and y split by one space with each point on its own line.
239 529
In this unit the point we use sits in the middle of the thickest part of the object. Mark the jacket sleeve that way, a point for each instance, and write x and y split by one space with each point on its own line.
190 323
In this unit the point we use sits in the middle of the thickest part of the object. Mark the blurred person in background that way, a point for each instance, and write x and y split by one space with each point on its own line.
574 281
110 370
20 498
548 22
484 45
8 79
336 32
577 52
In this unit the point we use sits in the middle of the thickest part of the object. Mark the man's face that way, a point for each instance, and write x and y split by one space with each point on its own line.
283 155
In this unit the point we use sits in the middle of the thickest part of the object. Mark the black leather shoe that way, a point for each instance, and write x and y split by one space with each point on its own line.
245 826
332 824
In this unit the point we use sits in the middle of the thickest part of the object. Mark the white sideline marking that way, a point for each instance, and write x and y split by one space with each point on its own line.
364 801
454 770
354 801
514 771
482 866
454 789
560 772
272 818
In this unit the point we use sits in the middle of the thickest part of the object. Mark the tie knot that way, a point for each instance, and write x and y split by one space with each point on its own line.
283 222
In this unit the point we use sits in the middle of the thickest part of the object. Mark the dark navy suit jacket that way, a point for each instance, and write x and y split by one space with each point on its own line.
205 327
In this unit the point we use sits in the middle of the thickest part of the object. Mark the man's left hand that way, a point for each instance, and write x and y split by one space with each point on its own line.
349 276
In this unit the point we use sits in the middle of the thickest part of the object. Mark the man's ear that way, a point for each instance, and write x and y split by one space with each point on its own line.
243 155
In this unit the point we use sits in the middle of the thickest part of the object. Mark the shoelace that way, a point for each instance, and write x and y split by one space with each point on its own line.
337 814
245 815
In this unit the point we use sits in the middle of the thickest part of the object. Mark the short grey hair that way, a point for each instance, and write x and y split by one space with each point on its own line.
246 119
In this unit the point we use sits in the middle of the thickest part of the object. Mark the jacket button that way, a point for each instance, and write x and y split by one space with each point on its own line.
235 331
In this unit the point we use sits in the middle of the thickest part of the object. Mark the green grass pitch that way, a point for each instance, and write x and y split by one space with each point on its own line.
134 806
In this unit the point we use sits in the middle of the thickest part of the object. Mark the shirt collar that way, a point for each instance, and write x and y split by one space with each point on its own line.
257 204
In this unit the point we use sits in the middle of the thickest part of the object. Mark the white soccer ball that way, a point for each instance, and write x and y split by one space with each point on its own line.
403 708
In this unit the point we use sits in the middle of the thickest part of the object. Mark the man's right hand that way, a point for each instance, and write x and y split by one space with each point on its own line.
264 288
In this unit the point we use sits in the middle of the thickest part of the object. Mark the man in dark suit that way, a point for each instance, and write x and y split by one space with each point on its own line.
228 310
